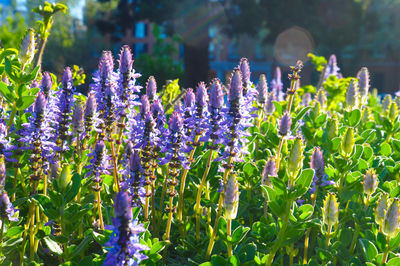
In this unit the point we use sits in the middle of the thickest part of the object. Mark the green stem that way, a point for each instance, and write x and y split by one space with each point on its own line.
278 154
162 203
281 234
328 236
170 210
307 238
354 240
228 232
181 206
386 254
291 255
115 171
1 234
199 191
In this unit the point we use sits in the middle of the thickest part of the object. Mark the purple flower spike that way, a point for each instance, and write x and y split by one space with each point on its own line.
151 89
77 119
125 60
6 208
285 124
176 122
189 99
123 207
245 70
317 162
332 69
40 104
67 77
262 89
269 170
135 162
277 85
106 65
46 83
145 105
91 106
201 95
235 87
216 95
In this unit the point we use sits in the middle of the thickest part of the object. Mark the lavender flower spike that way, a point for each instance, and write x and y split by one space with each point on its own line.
235 87
145 105
216 95
151 89
285 124
125 60
77 119
6 208
363 82
262 89
3 172
46 83
124 241
245 70
67 77
269 171
277 85
201 95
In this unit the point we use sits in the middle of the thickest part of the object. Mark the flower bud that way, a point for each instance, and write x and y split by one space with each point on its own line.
370 182
65 176
67 77
393 111
269 105
216 95
125 60
332 128
295 159
321 98
77 119
348 142
189 99
231 198
366 115
40 104
4 203
235 86
176 122
145 105
386 102
380 209
151 89
269 170
245 70
157 108
262 89
352 94
363 82
27 51
201 95
391 222
330 211
91 106
317 162
332 68
123 207
46 83
3 172
106 65
285 124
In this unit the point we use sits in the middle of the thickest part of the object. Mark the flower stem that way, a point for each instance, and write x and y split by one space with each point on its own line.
181 206
219 212
162 202
281 234
307 238
115 172
328 236
98 201
1 233
228 232
386 254
199 192
12 115
354 240
278 154
170 209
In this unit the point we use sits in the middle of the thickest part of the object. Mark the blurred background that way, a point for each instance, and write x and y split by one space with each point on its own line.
197 40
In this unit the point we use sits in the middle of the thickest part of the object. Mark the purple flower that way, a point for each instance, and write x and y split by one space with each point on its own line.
90 113
269 105
67 81
236 87
277 85
317 162
3 172
124 240
6 208
77 119
145 105
363 82
285 124
269 171
331 68
245 70
46 83
262 89
216 95
99 162
306 99
151 89
125 60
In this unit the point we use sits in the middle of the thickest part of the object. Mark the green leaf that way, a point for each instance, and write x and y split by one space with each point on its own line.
305 211
217 260
6 91
394 242
157 247
278 108
53 246
393 262
385 149
73 189
303 182
13 231
81 247
239 234
25 101
250 170
299 116
368 248
352 118
46 206
234 260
